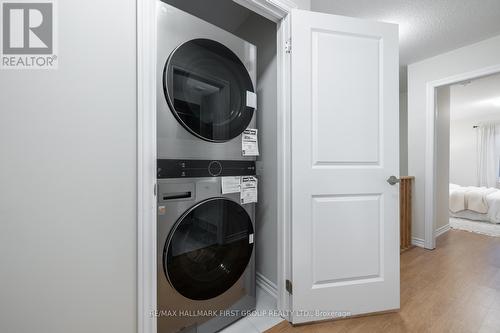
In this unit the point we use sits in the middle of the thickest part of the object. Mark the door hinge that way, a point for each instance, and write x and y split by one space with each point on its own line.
288 46
288 286
155 189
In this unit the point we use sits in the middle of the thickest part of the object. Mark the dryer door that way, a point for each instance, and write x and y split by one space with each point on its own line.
209 90
208 249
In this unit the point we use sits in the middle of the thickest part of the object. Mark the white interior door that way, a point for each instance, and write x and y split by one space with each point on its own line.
345 227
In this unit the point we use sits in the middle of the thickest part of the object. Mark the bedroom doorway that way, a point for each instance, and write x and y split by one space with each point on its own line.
467 147
432 183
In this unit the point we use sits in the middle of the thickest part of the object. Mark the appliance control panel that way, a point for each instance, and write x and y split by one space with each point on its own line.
168 168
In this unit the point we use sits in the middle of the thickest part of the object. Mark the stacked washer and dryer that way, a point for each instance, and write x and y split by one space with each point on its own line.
206 99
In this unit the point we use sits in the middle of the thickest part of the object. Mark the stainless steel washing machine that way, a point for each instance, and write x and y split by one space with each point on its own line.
205 247
206 79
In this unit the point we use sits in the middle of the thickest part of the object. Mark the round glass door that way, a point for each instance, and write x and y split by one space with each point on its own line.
209 249
206 86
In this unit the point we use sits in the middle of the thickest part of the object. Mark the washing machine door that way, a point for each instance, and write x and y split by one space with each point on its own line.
209 249
207 86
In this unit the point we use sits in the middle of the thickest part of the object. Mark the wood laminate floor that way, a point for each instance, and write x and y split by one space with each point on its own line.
455 288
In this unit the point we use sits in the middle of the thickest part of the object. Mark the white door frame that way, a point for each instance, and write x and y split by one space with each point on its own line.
430 149
146 165
275 10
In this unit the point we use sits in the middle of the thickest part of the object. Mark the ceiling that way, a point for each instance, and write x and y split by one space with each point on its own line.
478 100
427 27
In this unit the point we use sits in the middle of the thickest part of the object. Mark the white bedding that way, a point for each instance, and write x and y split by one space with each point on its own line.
475 203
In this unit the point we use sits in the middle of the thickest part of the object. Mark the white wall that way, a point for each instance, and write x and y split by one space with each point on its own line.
303 4
471 104
463 152
403 134
473 57
68 179
443 155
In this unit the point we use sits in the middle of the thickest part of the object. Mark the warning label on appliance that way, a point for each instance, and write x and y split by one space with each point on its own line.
248 189
249 142
231 184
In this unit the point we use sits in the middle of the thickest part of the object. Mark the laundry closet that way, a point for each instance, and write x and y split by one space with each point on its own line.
216 163
268 164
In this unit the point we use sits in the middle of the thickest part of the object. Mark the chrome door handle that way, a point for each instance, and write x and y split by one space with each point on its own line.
393 180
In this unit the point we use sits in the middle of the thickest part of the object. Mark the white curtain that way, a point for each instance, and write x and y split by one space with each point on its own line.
487 155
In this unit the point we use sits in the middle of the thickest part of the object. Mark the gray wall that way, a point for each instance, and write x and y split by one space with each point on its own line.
443 155
225 14
262 33
68 179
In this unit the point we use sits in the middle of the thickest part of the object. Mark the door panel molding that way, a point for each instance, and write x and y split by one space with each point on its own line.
368 150
361 258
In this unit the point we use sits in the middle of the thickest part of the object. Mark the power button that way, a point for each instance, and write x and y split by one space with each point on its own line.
215 168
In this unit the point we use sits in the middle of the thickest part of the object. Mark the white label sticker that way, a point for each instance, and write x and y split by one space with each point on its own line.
231 185
250 239
248 189
251 100
249 142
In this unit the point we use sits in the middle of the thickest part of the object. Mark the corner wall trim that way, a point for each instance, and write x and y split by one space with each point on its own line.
274 10
441 230
267 285
418 242
421 242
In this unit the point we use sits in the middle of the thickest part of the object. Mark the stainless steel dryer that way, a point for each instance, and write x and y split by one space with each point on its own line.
206 80
205 250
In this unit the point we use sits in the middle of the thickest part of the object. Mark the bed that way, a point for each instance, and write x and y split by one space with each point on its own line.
475 203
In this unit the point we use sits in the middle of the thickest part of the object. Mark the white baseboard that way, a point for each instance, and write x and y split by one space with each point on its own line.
418 242
441 230
267 285
421 242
